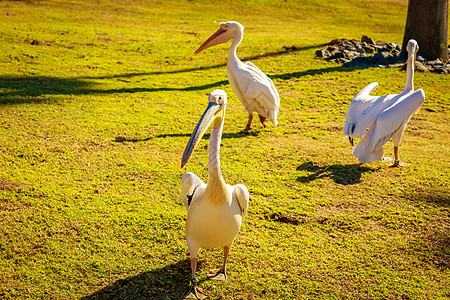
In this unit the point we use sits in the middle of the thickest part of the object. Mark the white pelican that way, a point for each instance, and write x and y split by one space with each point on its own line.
385 117
252 87
214 210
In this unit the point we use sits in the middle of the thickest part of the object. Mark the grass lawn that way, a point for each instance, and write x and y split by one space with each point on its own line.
98 100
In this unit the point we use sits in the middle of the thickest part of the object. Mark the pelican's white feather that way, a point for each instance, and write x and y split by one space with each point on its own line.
393 119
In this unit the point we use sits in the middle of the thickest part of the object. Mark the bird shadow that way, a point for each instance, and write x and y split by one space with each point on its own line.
225 135
341 174
169 282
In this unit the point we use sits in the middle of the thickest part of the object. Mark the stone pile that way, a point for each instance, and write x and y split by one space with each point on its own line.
368 53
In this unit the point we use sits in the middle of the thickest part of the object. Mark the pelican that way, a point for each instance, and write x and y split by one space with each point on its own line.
253 88
214 210
385 117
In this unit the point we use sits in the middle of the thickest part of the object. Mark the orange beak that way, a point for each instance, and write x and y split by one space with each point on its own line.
220 36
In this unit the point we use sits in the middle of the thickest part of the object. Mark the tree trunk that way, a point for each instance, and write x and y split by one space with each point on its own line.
427 23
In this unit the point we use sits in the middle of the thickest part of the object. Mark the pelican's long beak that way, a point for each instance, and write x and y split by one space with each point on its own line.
213 111
220 36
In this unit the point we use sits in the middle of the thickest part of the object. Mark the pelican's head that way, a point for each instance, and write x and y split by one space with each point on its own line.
226 32
412 47
214 113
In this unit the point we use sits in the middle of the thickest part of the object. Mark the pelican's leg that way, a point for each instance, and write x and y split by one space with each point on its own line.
263 121
249 122
220 274
194 293
396 160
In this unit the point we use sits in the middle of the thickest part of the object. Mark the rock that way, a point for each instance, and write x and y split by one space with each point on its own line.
332 48
336 42
322 53
347 43
390 46
382 43
440 70
37 42
369 49
335 55
378 48
367 40
419 67
436 62
354 53
420 58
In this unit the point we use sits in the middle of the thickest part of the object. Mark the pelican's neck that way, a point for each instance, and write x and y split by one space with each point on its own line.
216 186
232 50
409 86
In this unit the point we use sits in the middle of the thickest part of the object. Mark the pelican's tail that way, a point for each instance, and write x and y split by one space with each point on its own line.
362 150
273 117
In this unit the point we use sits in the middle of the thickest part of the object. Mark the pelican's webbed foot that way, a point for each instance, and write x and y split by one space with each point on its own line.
217 274
195 293
398 164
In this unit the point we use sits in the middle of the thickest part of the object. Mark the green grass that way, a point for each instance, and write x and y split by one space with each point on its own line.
94 121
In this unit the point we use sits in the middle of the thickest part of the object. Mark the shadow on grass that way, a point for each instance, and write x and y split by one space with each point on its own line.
429 195
341 174
186 70
169 282
33 89
435 248
225 135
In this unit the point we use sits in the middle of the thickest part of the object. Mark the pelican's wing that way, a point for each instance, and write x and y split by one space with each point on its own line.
395 118
367 110
240 191
359 104
189 185
263 90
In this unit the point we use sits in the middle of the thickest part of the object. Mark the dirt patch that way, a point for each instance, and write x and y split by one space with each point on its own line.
7 185
288 218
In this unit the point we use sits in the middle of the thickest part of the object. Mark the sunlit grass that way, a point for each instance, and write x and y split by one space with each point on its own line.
94 120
